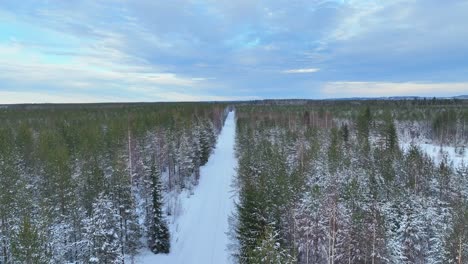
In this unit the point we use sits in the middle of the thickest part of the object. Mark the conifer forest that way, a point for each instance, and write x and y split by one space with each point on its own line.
310 182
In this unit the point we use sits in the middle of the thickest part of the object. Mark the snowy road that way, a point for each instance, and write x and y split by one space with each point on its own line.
200 232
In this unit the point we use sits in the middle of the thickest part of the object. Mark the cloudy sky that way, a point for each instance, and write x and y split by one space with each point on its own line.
187 50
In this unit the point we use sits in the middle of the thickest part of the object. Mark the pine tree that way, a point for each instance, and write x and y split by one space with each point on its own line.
159 237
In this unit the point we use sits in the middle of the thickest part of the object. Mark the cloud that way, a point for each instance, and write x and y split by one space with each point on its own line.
7 97
183 97
305 70
377 89
229 49
64 97
103 68
397 41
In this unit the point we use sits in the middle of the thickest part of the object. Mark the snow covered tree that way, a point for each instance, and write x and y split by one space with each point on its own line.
269 250
130 233
124 200
407 230
103 229
159 237
311 227
207 141
76 248
439 218
27 247
185 158
457 242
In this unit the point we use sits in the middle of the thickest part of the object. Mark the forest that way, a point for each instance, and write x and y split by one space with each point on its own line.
87 183
331 183
317 181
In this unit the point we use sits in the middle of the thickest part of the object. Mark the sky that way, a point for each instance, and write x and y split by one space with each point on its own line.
55 51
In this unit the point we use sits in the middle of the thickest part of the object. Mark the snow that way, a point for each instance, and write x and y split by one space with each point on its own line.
199 234
437 153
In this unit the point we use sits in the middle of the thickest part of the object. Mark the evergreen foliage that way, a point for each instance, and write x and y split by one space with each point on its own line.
159 239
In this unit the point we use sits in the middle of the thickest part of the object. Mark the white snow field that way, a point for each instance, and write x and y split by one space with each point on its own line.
199 235
437 152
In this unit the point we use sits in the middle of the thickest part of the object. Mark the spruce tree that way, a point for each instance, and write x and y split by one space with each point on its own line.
103 232
363 129
159 238
269 250
345 132
390 133
251 222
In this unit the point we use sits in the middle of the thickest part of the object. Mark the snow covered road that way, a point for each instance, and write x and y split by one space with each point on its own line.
199 234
